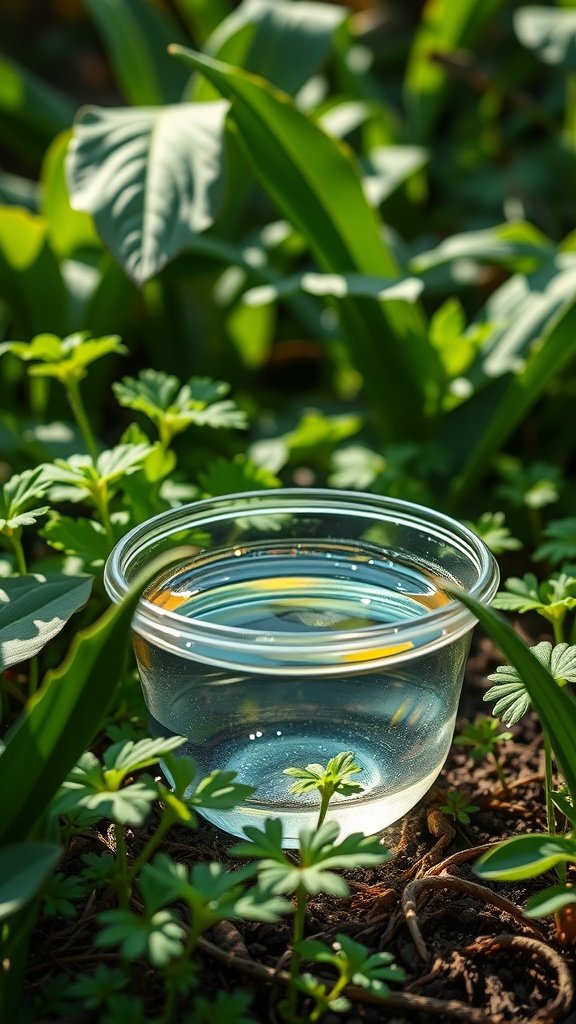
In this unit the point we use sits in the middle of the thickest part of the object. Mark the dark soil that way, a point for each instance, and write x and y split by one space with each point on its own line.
469 953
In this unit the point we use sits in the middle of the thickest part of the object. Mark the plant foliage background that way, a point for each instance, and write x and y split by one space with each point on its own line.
252 244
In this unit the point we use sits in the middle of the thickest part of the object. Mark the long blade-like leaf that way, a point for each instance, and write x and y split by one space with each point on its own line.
59 723
446 26
136 34
294 160
555 708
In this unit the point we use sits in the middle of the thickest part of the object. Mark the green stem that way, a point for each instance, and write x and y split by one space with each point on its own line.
155 839
550 816
325 796
122 878
82 421
297 936
101 501
558 627
18 553
500 773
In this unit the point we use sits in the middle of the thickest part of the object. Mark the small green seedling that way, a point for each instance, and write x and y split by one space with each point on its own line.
354 964
456 806
485 737
336 777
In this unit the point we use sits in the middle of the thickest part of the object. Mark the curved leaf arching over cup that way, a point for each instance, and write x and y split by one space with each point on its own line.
59 723
149 176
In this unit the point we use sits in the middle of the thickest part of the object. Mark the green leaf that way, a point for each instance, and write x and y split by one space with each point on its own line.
160 936
534 340
78 477
59 722
551 599
491 527
510 694
293 159
263 36
229 476
32 111
69 231
550 901
85 538
124 758
387 167
445 27
17 494
24 867
515 244
550 33
173 407
29 268
34 609
149 178
337 286
67 358
219 790
555 708
334 778
224 1008
136 34
525 857
560 543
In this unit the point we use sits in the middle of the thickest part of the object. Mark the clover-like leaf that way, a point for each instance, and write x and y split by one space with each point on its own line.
95 989
560 543
551 598
172 406
334 778
320 856
491 527
483 736
124 758
219 791
159 936
18 494
65 359
79 477
509 692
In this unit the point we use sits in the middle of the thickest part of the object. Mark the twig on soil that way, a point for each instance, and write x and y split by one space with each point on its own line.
413 890
562 1001
395 1000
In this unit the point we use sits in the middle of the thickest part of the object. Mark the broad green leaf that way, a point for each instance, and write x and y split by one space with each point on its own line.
79 477
33 610
444 28
551 598
550 901
555 708
388 167
24 867
537 340
525 857
336 286
512 244
263 36
28 268
59 722
293 159
32 112
549 32
69 231
149 177
136 34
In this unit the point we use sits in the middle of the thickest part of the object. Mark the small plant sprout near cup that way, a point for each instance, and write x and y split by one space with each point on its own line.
458 807
485 737
320 855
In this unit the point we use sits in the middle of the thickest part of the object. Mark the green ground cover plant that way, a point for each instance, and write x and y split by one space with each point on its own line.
229 270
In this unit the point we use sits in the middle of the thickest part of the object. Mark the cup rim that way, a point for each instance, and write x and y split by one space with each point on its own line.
168 629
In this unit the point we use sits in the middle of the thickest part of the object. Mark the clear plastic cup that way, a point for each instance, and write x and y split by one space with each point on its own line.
302 624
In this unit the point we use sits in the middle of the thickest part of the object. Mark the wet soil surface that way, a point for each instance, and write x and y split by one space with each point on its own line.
468 951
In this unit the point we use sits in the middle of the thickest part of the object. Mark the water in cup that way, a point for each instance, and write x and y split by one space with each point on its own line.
257 716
